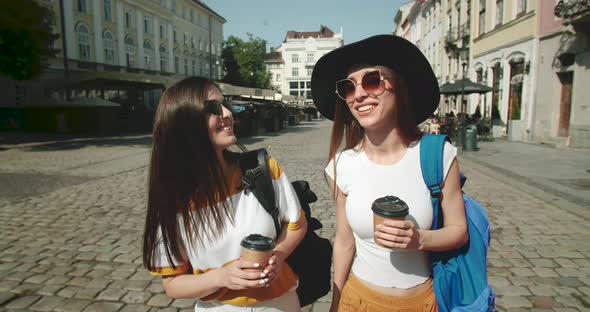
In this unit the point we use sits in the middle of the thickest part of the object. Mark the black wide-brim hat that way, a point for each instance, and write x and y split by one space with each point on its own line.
390 51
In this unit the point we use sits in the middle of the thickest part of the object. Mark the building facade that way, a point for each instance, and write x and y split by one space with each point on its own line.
561 115
291 64
116 56
182 37
441 30
503 48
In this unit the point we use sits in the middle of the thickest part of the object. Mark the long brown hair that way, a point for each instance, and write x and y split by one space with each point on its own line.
348 128
184 171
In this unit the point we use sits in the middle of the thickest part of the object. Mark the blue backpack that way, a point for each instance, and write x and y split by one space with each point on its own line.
460 275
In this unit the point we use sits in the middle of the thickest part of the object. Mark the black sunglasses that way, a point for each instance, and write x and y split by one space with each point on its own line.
214 107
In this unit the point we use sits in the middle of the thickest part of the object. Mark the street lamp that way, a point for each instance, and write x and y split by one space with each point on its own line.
464 54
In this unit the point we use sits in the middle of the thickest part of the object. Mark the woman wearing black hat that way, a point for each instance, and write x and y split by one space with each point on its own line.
377 91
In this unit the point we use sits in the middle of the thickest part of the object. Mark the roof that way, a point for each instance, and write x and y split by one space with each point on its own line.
274 57
324 32
206 7
76 102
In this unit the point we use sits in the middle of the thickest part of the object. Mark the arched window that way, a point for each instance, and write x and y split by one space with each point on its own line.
163 58
109 47
148 55
130 51
83 42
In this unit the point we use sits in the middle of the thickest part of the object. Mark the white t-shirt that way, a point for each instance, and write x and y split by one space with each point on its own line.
363 181
249 217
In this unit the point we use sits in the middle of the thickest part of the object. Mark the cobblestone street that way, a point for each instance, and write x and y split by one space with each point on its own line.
72 215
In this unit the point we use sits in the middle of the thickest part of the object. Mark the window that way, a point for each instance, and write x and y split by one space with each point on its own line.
81 6
129 18
479 75
162 31
108 14
148 54
295 72
294 93
163 57
185 39
482 16
310 58
173 6
295 58
278 77
194 67
309 71
130 52
109 47
185 66
293 85
193 42
183 12
521 8
192 16
147 24
174 36
83 43
176 64
163 3
499 12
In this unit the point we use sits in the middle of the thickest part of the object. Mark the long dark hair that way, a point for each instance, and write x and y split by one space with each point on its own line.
185 176
348 128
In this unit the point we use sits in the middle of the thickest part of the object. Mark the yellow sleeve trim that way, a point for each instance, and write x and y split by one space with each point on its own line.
275 169
292 226
165 271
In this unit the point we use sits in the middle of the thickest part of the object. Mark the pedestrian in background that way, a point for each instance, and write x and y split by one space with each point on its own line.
198 212
377 91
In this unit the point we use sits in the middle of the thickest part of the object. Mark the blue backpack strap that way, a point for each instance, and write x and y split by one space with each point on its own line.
432 164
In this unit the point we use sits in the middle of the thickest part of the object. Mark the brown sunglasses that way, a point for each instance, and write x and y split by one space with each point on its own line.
372 83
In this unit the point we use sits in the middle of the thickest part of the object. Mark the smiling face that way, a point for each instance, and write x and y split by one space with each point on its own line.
371 109
221 128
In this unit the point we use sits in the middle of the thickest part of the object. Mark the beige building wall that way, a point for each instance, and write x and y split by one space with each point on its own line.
142 34
507 37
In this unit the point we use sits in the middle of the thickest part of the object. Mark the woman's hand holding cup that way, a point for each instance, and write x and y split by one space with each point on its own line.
390 226
393 233
242 274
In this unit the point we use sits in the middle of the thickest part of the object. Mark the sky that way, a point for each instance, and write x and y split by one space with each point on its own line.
271 19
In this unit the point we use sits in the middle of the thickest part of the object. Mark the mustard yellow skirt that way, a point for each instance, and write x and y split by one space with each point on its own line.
358 297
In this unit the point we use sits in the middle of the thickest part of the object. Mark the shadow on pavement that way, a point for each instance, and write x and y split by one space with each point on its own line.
145 140
58 141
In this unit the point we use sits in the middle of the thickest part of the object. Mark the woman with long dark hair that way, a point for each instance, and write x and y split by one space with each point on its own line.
198 212
377 91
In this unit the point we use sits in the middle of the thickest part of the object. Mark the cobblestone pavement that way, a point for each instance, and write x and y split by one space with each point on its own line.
74 245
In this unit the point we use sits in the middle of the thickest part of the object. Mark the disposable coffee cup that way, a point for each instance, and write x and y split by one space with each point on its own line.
388 207
258 249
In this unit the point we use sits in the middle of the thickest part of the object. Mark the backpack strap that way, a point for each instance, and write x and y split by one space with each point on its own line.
256 179
432 164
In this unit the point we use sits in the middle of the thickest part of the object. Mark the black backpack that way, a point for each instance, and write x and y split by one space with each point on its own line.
312 258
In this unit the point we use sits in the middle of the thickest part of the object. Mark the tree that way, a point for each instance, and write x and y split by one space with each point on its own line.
26 39
243 62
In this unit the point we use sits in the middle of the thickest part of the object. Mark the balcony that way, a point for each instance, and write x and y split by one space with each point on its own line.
574 12
465 32
452 35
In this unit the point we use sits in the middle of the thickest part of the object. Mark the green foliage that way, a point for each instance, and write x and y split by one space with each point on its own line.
25 38
243 62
